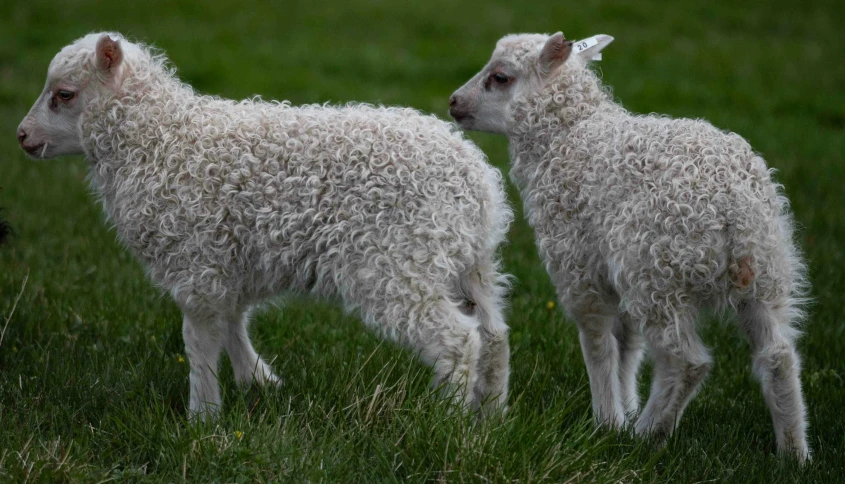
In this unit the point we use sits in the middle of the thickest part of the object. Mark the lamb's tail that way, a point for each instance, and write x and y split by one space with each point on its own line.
765 262
485 290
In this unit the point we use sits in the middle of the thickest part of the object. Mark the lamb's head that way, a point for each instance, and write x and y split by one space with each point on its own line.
521 64
80 73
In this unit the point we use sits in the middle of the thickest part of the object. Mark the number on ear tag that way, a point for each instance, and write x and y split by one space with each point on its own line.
584 44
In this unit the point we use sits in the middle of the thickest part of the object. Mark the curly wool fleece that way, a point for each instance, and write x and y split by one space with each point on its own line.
674 205
641 221
228 203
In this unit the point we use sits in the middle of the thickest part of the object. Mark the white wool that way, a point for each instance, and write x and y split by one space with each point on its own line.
642 221
671 205
228 203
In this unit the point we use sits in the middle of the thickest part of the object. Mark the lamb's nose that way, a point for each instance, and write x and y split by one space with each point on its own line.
452 101
21 136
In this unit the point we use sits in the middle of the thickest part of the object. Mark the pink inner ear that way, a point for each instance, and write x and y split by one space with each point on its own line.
557 49
108 53
554 53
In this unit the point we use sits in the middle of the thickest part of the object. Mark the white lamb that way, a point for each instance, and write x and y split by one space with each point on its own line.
641 222
228 203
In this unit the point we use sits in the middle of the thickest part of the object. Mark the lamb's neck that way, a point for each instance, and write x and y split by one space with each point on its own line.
531 149
127 128
544 120
123 134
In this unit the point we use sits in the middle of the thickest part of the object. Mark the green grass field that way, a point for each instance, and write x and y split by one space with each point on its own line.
93 383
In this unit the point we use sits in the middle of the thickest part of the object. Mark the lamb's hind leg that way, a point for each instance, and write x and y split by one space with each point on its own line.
440 333
681 363
596 319
452 346
491 389
778 366
486 292
248 366
631 346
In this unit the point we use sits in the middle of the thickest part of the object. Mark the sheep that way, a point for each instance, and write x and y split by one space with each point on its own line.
642 222
391 212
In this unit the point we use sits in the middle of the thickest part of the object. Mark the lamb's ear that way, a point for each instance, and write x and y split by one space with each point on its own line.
591 47
109 55
554 54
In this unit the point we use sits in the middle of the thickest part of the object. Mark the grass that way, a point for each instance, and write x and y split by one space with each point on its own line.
93 384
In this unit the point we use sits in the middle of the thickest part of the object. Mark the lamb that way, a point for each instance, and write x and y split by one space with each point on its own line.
642 222
391 212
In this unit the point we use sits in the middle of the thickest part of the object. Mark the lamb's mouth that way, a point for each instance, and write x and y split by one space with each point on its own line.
461 118
34 151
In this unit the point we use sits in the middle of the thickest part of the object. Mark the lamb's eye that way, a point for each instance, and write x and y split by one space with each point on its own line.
500 78
65 95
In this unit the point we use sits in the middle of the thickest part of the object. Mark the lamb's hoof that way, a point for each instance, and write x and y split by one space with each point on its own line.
801 453
271 381
202 412
264 380
457 400
653 431
262 377
490 413
630 422
614 422
489 406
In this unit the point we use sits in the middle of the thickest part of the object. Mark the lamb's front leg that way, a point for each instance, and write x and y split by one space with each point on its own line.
248 366
203 335
596 319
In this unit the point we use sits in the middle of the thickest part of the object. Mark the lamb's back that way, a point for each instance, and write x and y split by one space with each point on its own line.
649 199
267 196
